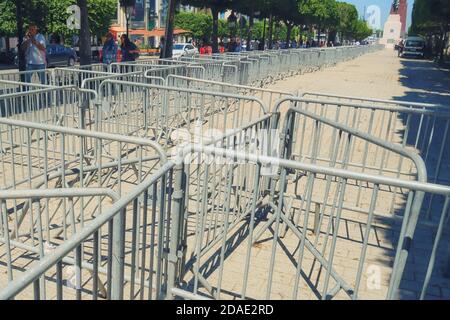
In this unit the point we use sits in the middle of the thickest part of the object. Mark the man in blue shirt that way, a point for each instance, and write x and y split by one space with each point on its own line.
35 54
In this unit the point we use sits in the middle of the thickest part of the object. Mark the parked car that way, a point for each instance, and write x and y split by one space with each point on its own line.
7 56
414 47
59 56
184 49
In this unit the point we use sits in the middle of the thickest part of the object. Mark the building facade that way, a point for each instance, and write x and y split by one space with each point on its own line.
147 20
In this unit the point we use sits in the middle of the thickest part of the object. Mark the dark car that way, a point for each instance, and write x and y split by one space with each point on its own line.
59 56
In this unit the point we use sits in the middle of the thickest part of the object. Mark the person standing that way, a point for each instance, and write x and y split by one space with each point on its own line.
34 48
130 51
109 50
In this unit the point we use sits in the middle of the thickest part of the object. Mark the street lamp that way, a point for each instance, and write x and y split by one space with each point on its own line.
127 6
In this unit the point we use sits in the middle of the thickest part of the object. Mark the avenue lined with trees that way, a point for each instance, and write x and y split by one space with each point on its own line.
276 19
266 20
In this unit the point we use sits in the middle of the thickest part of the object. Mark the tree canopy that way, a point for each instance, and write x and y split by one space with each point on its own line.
432 18
329 16
51 16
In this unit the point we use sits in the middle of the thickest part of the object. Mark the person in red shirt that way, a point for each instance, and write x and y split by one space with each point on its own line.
221 48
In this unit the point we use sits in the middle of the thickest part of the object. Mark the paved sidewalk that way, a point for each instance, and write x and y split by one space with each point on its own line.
380 75
383 75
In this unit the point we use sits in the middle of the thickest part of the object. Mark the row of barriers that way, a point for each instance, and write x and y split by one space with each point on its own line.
156 186
252 68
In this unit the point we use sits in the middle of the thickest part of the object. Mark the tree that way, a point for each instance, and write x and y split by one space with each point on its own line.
291 14
348 19
85 34
8 23
362 30
216 6
168 39
432 17
198 24
101 12
322 13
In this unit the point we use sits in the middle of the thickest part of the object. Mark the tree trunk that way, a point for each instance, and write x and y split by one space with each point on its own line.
318 35
270 31
288 34
250 29
85 34
20 34
215 30
168 46
264 35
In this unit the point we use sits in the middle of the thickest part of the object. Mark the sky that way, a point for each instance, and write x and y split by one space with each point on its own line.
384 5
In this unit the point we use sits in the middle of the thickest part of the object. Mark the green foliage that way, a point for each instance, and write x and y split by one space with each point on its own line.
7 18
213 4
199 24
323 13
431 16
348 20
362 30
101 12
51 16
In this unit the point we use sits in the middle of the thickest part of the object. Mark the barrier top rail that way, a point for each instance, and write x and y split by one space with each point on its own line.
229 84
422 109
419 162
191 91
397 102
47 89
87 133
109 76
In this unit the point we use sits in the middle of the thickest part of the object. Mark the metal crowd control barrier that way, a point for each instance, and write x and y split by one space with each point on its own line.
54 77
63 105
420 127
280 204
56 180
267 96
169 114
204 216
195 71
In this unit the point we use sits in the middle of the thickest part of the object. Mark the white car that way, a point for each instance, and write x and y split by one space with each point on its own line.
183 49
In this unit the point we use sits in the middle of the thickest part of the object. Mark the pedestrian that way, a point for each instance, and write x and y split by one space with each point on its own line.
161 48
232 45
238 47
203 49
34 48
261 45
209 50
130 51
109 49
221 47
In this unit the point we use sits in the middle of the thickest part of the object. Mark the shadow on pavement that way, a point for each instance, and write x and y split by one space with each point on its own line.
426 83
